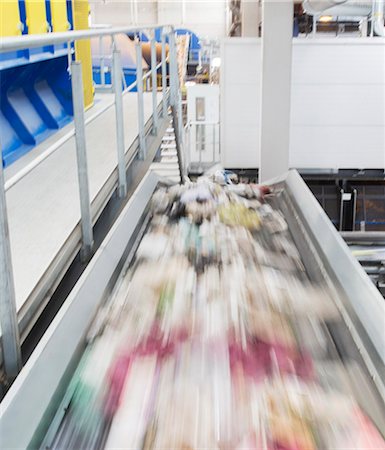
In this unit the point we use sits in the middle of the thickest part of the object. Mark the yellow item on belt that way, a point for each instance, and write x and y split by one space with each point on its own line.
239 215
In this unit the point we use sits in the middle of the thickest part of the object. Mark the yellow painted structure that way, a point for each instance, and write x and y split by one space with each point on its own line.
36 19
10 24
80 11
59 17
36 16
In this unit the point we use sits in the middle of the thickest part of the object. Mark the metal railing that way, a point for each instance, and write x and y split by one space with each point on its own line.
10 338
202 140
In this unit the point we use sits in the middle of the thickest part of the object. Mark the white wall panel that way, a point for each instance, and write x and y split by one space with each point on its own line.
337 103
206 18
336 147
240 107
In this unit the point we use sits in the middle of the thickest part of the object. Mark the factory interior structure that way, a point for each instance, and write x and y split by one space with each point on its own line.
192 224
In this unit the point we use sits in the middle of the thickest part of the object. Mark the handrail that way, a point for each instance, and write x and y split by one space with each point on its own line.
10 342
14 43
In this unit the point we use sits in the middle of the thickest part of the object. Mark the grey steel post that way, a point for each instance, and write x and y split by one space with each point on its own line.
341 210
154 83
117 81
173 67
178 144
101 55
10 338
164 75
372 19
174 83
354 209
139 85
81 156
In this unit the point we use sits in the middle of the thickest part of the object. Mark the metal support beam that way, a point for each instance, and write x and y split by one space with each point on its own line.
101 56
277 35
178 144
10 339
175 97
139 85
173 67
164 75
81 155
117 82
154 83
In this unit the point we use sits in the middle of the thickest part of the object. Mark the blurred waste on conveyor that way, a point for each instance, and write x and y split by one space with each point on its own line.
213 339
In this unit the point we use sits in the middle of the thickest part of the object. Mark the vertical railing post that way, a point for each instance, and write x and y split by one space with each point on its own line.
10 339
81 156
139 85
154 83
164 74
354 209
178 144
173 67
175 101
174 83
340 227
117 84
101 55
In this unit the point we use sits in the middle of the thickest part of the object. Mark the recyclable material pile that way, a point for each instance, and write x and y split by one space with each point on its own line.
214 339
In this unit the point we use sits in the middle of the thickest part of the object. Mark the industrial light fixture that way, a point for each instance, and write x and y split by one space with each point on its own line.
325 19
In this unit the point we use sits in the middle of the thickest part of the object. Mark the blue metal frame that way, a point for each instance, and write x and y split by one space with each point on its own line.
35 93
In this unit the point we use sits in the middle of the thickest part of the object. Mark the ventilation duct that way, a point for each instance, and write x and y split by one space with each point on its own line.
349 8
337 7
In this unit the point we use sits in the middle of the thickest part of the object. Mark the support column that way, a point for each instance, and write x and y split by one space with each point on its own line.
154 85
175 93
164 74
117 85
139 85
277 35
81 156
10 339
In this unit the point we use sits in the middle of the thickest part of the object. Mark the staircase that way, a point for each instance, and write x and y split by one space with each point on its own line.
166 161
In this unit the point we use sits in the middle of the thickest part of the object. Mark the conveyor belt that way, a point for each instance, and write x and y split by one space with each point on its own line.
345 346
202 289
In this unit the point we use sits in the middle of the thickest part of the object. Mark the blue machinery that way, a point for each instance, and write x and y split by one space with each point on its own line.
101 65
35 87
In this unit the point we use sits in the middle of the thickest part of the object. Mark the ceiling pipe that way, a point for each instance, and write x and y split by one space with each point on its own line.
349 8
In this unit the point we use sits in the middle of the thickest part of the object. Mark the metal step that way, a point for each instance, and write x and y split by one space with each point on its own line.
168 152
168 138
168 146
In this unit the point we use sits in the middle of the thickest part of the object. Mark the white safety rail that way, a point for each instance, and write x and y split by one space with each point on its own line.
169 95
